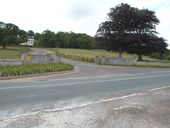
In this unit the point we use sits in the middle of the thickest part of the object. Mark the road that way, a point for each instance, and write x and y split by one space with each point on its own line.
22 99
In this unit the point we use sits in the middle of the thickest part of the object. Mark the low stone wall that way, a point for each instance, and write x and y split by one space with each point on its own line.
32 59
41 59
153 63
112 61
10 62
56 59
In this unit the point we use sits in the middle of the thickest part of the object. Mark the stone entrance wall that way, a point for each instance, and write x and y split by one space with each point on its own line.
32 59
114 61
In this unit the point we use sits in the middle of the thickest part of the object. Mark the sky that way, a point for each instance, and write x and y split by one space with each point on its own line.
80 16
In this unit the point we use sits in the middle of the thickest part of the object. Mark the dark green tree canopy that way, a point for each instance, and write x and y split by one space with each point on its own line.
130 29
30 33
64 40
8 34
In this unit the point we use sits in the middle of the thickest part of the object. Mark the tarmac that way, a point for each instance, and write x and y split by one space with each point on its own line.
149 109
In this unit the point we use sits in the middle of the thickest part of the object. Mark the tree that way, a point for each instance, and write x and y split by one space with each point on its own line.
149 44
104 34
37 41
160 46
47 39
143 32
85 41
30 33
63 39
73 40
22 36
8 34
115 29
142 47
130 29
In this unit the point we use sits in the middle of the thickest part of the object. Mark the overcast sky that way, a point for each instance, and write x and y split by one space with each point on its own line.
81 16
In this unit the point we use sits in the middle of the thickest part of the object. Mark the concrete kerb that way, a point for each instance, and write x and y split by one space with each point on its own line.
37 75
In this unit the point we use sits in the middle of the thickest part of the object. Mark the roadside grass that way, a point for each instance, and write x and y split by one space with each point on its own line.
13 52
144 66
19 70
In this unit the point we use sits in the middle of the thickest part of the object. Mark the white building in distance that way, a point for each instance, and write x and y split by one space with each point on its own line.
30 41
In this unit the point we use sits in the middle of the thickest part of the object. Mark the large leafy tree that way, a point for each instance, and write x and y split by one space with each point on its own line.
30 33
103 35
131 29
47 39
143 33
148 44
114 30
85 41
161 46
63 39
73 40
22 36
8 34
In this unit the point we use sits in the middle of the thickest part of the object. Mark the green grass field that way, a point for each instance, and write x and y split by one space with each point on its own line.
93 53
89 55
13 52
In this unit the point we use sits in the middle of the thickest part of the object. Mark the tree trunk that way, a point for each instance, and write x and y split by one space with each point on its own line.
161 55
140 57
120 53
4 46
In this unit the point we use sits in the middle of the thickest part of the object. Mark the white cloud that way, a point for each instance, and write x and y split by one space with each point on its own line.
164 26
74 15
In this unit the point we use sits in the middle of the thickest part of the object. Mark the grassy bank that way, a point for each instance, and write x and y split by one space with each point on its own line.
13 52
18 70
89 55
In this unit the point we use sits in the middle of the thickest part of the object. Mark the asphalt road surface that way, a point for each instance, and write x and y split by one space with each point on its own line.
21 102
21 98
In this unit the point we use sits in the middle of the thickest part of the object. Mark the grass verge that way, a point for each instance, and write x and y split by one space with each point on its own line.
19 70
13 52
143 66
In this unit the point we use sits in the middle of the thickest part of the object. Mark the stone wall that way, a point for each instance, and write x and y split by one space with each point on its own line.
114 61
10 62
32 59
41 59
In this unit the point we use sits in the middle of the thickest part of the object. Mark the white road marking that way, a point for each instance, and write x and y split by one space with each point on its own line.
85 104
88 82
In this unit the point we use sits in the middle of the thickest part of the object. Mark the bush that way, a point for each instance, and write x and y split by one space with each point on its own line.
17 70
